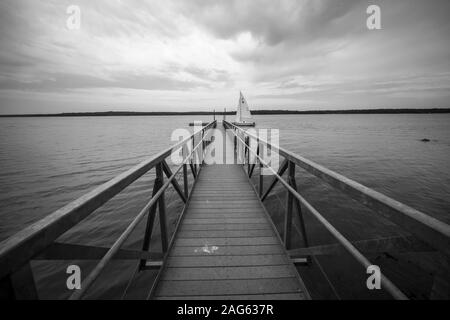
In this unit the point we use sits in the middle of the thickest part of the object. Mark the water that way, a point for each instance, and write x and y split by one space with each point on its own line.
383 152
47 162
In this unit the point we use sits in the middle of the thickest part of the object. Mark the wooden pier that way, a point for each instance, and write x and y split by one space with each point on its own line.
225 245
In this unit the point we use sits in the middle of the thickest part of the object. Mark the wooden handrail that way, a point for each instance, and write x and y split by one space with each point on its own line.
93 275
430 230
31 241
387 284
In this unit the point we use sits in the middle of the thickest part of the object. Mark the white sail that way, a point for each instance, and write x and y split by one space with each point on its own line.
243 112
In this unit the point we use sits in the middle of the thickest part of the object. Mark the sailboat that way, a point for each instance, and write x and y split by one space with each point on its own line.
243 115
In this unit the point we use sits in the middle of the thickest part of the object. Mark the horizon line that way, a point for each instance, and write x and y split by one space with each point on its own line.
254 112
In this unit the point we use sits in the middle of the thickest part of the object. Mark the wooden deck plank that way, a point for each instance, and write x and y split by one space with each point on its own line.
226 210
230 206
227 250
225 215
227 191
223 287
221 214
229 226
273 296
228 273
226 233
232 187
226 261
226 247
223 195
221 203
200 242
223 221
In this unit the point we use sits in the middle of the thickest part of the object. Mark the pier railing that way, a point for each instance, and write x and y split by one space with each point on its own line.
39 241
431 231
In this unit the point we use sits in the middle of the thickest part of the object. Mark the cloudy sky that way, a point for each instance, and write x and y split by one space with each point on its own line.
173 55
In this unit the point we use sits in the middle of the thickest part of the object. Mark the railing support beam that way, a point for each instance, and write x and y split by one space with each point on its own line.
185 176
300 216
274 181
193 170
175 184
247 149
254 164
162 211
288 215
150 221
261 181
193 159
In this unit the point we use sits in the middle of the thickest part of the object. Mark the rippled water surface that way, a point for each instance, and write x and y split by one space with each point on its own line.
47 162
384 152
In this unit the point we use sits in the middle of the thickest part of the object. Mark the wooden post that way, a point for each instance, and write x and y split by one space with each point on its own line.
261 178
203 148
193 156
162 210
244 147
150 221
256 160
247 142
288 216
193 170
300 216
203 143
242 142
185 174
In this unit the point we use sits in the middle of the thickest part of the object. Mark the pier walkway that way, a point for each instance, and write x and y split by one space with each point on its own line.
226 245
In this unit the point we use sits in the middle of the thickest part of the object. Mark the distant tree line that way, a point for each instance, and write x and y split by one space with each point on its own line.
218 113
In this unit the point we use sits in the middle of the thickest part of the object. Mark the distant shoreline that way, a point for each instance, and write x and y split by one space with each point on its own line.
206 113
